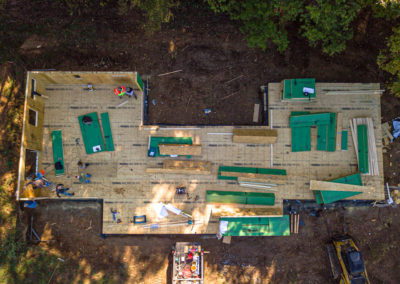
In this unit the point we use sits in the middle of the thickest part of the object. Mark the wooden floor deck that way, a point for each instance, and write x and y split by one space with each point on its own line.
119 177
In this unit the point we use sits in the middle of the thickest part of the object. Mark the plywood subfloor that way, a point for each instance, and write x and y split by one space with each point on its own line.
119 177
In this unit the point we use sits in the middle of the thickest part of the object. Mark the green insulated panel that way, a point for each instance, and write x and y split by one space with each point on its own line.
301 139
154 141
105 121
248 170
214 196
91 133
344 139
293 89
235 197
362 139
257 226
58 156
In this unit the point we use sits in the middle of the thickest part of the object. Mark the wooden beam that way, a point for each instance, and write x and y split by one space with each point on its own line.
332 186
256 112
177 171
245 210
272 179
255 136
180 149
257 176
187 165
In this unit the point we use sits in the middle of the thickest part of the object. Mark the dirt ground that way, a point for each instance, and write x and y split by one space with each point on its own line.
74 228
210 51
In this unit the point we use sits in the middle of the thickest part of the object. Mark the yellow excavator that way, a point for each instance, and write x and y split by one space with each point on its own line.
346 261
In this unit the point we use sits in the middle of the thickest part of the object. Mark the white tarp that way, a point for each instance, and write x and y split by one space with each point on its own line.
160 210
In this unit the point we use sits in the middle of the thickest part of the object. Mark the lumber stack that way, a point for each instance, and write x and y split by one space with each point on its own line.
294 223
255 136
386 135
362 130
183 167
180 149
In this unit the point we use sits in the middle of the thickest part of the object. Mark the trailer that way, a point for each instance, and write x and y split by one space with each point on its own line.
188 263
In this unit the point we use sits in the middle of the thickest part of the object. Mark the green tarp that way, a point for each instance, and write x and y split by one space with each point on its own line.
105 121
293 89
257 226
248 170
58 156
91 133
328 196
235 197
154 150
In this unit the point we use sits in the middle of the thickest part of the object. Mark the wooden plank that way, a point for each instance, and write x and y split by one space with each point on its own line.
178 171
237 210
339 126
256 112
272 179
180 149
255 136
332 186
187 165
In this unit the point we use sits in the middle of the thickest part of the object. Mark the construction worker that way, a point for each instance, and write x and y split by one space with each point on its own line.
120 91
130 93
60 189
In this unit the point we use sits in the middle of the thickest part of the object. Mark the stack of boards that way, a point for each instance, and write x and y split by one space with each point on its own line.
362 130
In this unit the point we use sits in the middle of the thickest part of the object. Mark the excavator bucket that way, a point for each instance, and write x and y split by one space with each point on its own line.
334 265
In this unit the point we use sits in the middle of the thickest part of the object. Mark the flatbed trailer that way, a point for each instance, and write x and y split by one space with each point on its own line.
188 263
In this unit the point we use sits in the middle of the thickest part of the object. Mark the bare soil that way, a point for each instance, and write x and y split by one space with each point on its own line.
210 51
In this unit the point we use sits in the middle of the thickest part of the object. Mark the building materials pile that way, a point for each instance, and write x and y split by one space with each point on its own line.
363 133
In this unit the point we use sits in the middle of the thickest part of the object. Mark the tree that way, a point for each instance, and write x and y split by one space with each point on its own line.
261 21
328 23
389 60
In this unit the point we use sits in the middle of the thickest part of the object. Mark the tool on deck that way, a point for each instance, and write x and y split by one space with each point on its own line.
140 219
170 224
181 190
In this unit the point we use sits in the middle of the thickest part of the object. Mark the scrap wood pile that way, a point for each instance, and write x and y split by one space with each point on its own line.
362 130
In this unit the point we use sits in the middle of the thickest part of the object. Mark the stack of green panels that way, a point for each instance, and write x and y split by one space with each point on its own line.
265 171
237 197
154 141
92 136
328 196
301 122
362 139
58 155
257 226
293 89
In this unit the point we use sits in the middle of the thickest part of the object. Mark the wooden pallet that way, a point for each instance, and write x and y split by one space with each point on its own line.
180 149
255 136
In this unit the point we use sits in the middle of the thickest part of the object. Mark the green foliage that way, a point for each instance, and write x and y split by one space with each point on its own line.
328 23
386 9
262 20
389 60
157 12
